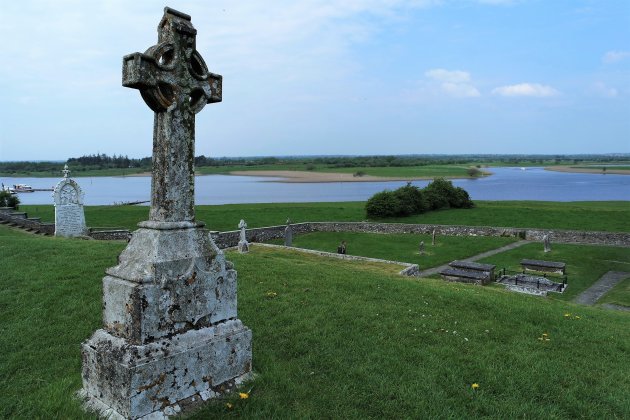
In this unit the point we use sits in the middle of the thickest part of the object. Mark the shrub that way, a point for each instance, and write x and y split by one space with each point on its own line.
408 200
473 172
310 167
358 173
8 200
383 204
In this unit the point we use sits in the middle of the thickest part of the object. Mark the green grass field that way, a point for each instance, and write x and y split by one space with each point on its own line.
340 339
612 216
400 247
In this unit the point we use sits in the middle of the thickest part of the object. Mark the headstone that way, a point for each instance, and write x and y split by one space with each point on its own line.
433 237
171 337
243 245
546 243
421 248
288 234
69 214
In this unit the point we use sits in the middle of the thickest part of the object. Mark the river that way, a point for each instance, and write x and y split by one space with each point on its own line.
506 183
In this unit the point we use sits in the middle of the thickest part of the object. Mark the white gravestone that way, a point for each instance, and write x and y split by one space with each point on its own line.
68 200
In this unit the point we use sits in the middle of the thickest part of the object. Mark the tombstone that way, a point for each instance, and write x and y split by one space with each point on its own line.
546 243
69 214
433 237
171 337
421 248
288 234
243 245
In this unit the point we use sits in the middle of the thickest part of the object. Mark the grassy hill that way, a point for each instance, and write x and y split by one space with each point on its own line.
331 339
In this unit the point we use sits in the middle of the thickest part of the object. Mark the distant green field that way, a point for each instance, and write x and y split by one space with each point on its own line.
602 167
611 216
338 339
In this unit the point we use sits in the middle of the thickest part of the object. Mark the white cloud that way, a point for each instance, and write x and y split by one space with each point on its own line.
448 76
615 56
599 88
526 89
455 83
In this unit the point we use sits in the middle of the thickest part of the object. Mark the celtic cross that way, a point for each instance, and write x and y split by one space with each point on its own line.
175 83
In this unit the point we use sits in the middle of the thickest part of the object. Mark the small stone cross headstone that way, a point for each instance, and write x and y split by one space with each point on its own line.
433 237
171 337
546 243
288 234
421 248
243 245
69 214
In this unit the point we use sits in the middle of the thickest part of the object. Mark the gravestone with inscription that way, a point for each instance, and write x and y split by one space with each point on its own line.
171 337
69 214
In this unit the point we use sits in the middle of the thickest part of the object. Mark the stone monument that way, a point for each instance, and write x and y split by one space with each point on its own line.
243 245
421 248
546 243
69 214
171 337
288 234
433 237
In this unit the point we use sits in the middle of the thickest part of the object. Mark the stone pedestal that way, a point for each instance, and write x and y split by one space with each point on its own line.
170 333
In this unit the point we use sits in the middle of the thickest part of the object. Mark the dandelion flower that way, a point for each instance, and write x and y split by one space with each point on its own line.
475 385
229 405
577 317
567 315
243 395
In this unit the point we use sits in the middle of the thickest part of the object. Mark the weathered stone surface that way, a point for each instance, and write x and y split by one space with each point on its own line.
170 333
69 214
288 234
243 245
136 380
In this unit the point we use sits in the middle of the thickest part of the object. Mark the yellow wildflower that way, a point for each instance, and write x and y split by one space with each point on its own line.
475 385
567 315
243 395
229 405
577 317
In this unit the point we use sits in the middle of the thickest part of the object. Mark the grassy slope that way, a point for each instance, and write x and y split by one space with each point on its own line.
593 215
341 339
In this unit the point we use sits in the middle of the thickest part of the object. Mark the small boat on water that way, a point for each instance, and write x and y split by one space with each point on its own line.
22 188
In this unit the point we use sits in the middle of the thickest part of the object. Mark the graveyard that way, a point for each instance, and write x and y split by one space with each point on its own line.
301 310
334 338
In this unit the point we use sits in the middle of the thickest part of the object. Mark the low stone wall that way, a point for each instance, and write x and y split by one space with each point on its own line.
230 239
22 220
109 235
410 270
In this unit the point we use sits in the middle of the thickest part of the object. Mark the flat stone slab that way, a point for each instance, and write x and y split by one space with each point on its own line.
469 265
545 266
591 295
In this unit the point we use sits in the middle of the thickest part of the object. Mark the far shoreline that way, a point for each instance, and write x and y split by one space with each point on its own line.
569 169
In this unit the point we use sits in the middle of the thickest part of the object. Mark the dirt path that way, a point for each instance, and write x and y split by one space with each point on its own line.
591 295
435 270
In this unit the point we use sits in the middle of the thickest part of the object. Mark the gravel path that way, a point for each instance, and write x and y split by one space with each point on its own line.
435 270
601 286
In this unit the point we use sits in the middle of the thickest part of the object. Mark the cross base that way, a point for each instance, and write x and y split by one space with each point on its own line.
166 377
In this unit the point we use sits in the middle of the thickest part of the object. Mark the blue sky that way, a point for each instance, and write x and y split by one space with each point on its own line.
327 77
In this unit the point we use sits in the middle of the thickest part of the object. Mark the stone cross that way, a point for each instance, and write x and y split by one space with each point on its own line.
433 237
421 248
171 337
243 245
175 83
66 171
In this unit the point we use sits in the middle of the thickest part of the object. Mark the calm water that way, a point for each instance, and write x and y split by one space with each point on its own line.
505 184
